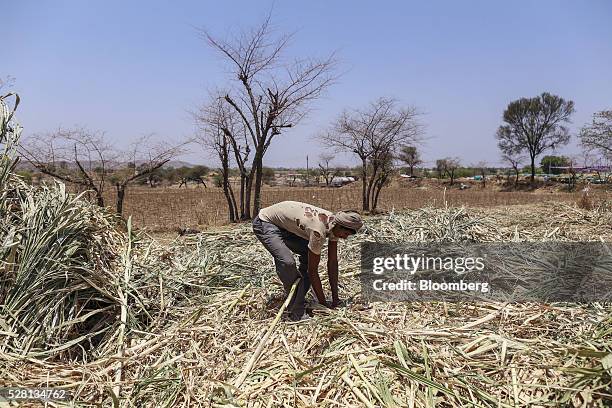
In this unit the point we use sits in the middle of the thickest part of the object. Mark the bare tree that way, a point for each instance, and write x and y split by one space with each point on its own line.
268 97
193 174
328 173
374 134
448 166
78 156
84 158
598 135
410 156
142 158
534 125
217 123
515 161
588 158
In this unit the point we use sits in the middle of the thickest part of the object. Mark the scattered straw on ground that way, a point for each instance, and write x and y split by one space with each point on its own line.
211 298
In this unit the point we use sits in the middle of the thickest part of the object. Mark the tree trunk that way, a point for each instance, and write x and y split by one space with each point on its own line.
243 179
228 193
258 165
516 181
364 174
120 197
233 203
230 204
411 171
377 190
247 195
371 182
99 198
532 170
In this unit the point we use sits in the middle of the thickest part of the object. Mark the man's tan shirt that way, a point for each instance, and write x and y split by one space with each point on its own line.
304 220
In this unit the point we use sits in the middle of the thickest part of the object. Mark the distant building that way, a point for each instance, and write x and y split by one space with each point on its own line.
341 181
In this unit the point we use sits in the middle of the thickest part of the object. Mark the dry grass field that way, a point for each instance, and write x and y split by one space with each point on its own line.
114 317
200 326
165 209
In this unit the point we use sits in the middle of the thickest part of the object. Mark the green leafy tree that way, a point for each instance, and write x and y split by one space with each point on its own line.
198 172
548 162
169 174
448 167
534 125
218 181
268 175
410 156
195 174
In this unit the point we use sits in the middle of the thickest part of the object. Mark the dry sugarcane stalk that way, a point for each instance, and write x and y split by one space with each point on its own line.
202 286
249 365
124 308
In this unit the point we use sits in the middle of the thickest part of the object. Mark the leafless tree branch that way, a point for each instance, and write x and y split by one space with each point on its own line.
269 95
375 134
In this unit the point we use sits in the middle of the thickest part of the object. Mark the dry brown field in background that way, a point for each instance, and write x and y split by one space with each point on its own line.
164 209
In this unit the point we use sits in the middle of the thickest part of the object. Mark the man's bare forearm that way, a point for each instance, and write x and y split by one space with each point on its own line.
332 273
313 274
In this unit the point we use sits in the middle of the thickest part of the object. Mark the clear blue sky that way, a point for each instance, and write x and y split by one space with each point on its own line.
135 67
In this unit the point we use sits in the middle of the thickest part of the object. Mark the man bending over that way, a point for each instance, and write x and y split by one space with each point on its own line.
292 227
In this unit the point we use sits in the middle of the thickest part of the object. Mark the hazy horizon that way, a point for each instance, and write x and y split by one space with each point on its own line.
136 68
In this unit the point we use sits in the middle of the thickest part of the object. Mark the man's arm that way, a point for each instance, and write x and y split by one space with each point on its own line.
332 271
313 274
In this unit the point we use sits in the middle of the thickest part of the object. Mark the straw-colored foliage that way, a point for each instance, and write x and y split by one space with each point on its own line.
118 319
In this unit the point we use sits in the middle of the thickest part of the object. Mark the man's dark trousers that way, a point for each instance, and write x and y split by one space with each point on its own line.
282 244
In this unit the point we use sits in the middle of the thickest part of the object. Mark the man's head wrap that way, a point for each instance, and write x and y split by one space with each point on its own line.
349 219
